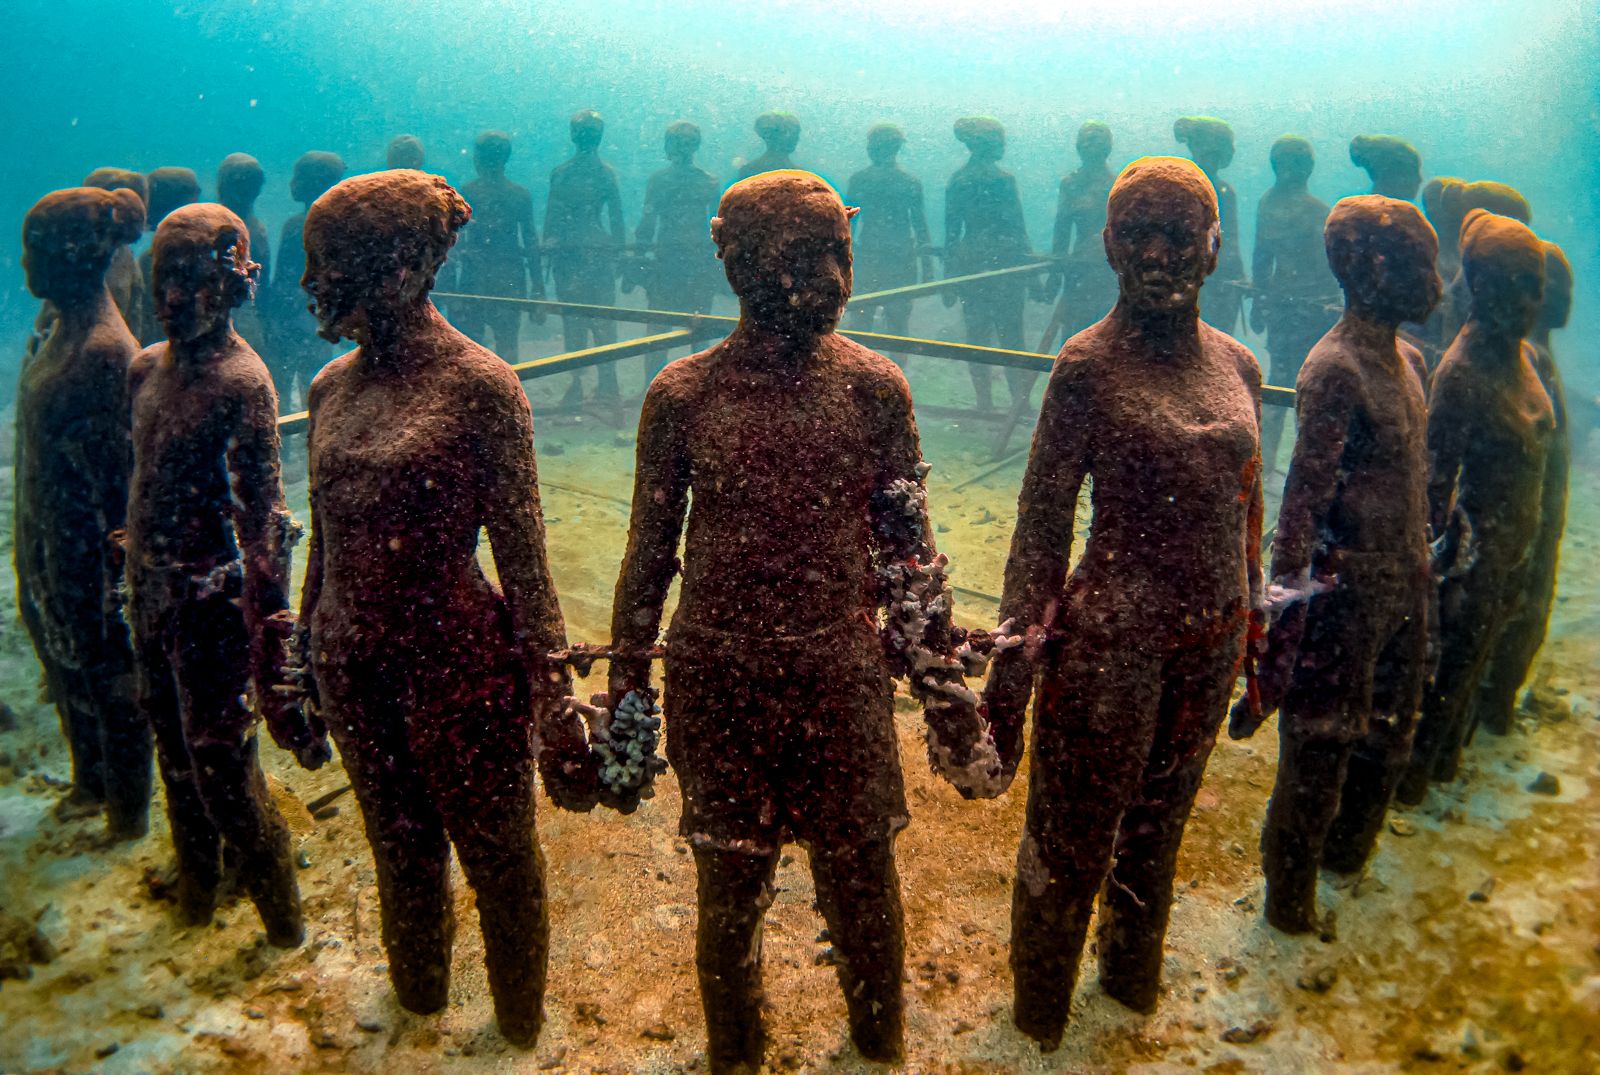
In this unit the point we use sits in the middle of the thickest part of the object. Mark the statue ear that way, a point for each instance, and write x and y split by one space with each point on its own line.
850 211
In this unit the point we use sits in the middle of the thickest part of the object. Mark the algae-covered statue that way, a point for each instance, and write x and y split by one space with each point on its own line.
1295 299
584 253
891 231
673 238
1210 142
1087 286
1490 196
499 254
435 684
1496 702
1138 649
1393 164
208 542
297 352
72 460
240 179
1490 427
780 134
124 278
1346 657
983 231
405 151
800 452
169 188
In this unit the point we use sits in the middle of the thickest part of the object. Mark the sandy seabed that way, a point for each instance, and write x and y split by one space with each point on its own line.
1470 943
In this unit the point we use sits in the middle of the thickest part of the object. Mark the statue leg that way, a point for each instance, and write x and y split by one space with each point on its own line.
506 325
195 839
404 828
1378 761
1008 333
479 763
1305 799
212 672
1495 705
978 313
858 892
1093 726
735 890
127 744
1195 688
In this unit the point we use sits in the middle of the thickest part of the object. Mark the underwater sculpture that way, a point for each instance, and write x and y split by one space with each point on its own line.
891 232
1139 648
1346 657
1492 197
499 254
1087 287
584 254
208 543
434 683
124 278
1393 164
1295 299
674 230
1490 428
1210 143
168 189
239 182
297 352
800 451
983 231
72 459
405 151
1519 643
780 133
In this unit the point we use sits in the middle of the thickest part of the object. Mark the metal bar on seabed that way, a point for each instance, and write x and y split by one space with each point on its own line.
551 365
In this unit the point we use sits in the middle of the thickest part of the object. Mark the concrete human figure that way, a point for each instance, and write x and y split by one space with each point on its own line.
1087 286
406 151
1509 664
434 683
1138 648
208 543
1490 428
779 706
297 351
1347 657
983 231
1492 197
1296 298
674 233
240 179
1393 164
780 133
584 252
72 459
499 253
168 189
891 239
1210 143
124 278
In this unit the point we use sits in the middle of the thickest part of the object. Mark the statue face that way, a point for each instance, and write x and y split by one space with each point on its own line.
54 252
1508 298
792 272
1412 285
338 299
1162 246
192 295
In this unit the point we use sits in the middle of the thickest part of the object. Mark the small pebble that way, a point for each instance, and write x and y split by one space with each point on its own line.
106 1050
302 860
1245 1035
254 1013
1545 784
658 1032
371 1026
1401 827
1319 980
150 1011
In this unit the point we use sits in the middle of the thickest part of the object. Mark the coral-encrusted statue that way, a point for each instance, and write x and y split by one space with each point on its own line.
435 684
583 254
1210 142
72 460
1509 665
984 231
1490 427
1087 285
891 231
1139 648
208 544
297 353
124 278
1296 297
1393 164
801 454
167 189
500 253
1347 655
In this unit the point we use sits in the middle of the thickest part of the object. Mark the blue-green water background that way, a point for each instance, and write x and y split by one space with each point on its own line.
1499 90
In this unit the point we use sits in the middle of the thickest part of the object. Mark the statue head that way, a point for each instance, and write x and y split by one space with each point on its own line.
314 173
587 128
1382 252
779 130
983 136
1162 234
239 181
1504 265
170 188
68 238
682 141
884 142
1293 159
1210 141
1393 163
1094 143
200 270
406 151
